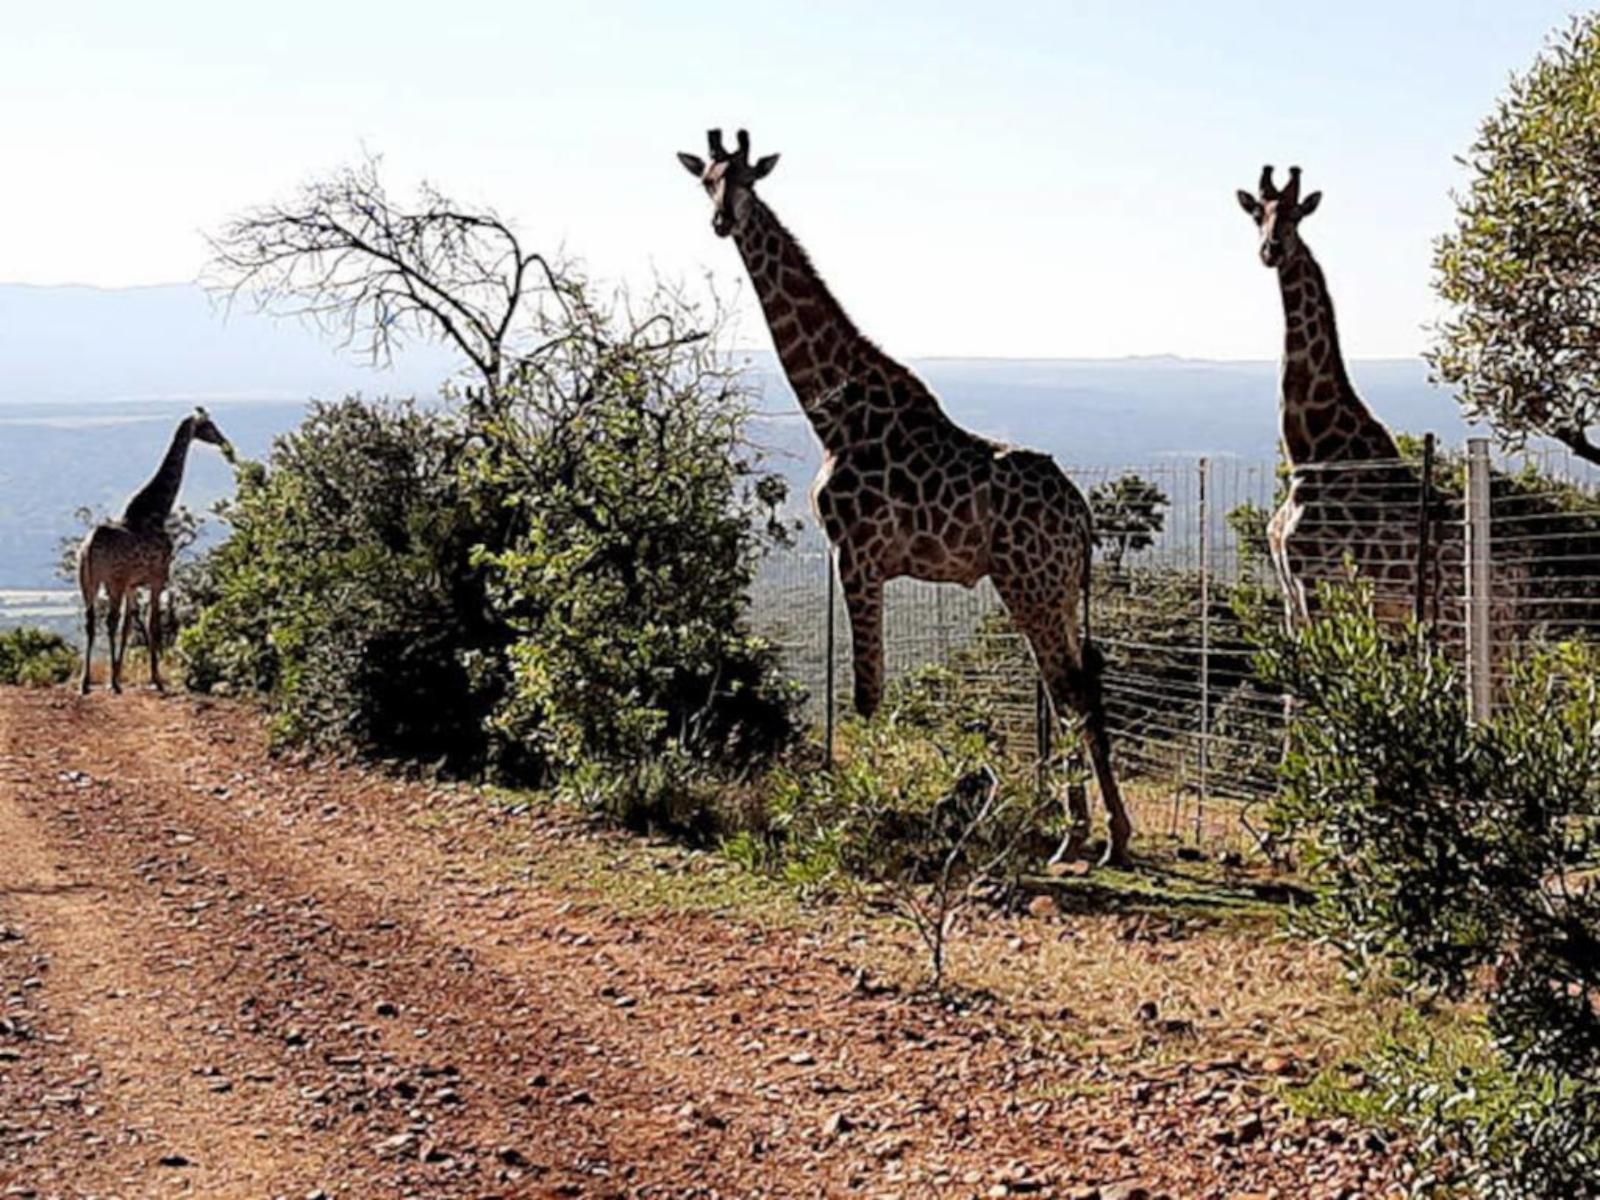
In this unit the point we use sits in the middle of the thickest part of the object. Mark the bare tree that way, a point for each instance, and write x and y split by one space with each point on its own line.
379 273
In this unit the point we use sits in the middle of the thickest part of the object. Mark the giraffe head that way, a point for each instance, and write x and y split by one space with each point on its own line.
205 429
1278 213
729 179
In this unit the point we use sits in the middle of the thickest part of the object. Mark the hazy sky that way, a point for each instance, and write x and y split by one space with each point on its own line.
973 179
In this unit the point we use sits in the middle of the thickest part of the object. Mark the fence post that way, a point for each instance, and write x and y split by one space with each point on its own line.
1205 648
1424 517
1480 686
828 661
1043 734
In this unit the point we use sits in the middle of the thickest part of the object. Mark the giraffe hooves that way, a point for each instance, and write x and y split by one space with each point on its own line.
1069 851
1116 856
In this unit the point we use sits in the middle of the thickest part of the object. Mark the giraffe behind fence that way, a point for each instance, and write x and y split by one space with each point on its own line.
904 491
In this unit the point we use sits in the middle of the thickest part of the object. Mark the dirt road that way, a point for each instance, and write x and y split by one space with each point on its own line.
225 974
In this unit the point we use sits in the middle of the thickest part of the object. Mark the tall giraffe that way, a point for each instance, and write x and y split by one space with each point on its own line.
135 551
1351 500
904 491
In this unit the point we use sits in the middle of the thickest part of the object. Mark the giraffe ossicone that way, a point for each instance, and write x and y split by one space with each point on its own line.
905 491
119 557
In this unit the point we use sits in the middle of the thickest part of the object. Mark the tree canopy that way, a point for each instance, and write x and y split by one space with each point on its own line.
1128 513
1521 268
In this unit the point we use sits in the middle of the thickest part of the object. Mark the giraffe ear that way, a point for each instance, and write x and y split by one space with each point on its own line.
763 167
1309 204
1249 203
693 164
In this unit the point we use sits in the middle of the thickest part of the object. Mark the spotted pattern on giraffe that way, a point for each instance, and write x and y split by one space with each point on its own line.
906 492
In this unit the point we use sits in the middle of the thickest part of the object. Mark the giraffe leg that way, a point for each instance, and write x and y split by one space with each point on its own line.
863 598
1073 678
1072 673
152 638
1077 806
130 614
113 622
1086 684
88 642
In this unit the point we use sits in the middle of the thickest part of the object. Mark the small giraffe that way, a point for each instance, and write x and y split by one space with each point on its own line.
1351 499
135 551
904 491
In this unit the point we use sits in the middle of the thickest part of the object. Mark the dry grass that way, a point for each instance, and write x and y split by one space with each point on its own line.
1151 985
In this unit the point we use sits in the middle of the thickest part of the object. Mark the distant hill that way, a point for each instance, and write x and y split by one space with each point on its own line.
1133 411
172 342
92 382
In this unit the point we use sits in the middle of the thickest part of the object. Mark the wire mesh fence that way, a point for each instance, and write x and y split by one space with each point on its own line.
1496 557
1542 537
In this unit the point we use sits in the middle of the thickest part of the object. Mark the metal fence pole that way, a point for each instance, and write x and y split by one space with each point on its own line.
1205 648
1424 516
1480 684
828 657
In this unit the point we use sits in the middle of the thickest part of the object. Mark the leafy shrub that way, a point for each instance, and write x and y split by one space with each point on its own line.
1463 859
914 814
901 784
627 586
550 585
1129 512
35 658
343 591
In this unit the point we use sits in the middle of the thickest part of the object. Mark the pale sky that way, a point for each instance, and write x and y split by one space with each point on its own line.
1010 179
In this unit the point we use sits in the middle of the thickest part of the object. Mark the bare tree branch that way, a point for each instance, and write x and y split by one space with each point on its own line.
377 273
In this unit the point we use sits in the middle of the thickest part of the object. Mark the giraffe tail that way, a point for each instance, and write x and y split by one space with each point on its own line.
1088 605
1094 662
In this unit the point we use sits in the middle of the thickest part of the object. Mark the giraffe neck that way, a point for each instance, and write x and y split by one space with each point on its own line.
152 504
819 346
1324 420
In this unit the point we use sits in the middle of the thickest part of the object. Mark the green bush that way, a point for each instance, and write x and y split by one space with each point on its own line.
626 582
35 658
916 815
900 789
551 587
344 592
1463 859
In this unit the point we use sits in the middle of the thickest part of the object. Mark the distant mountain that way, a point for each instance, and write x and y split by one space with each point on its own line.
1136 411
92 382
173 342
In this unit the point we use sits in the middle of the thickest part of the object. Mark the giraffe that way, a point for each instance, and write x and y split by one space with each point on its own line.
135 551
904 491
1351 499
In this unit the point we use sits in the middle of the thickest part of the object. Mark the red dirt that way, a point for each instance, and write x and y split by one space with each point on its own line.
228 974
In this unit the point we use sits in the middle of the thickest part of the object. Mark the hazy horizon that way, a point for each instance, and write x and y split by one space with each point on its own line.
438 357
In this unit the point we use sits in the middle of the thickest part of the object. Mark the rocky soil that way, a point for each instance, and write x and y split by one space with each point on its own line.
229 974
